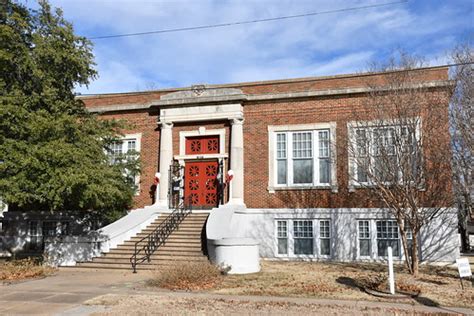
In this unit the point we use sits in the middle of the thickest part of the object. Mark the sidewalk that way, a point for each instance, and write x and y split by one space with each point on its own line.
74 292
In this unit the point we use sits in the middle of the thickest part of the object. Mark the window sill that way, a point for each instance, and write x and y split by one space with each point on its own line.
356 186
334 189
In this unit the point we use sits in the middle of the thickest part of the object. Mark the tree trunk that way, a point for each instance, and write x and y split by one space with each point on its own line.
406 251
414 254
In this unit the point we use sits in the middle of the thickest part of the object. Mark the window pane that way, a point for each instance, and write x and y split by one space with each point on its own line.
325 247
324 170
131 145
282 230
303 246
281 145
362 165
49 229
64 228
364 247
361 142
324 229
282 171
382 246
323 144
303 229
302 145
364 230
282 246
303 171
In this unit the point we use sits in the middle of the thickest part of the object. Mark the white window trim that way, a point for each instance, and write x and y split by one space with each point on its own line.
352 126
138 144
201 131
371 239
272 170
375 246
316 238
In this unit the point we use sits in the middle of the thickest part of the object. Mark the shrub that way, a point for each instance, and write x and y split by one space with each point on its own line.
23 269
196 275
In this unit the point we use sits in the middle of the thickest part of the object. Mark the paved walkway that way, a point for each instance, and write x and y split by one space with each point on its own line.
66 292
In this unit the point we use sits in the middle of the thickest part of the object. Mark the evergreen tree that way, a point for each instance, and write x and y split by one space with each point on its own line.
53 153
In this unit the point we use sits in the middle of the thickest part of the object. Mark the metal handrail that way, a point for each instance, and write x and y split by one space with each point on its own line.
159 235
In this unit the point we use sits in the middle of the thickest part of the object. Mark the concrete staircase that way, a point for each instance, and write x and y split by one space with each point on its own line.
183 244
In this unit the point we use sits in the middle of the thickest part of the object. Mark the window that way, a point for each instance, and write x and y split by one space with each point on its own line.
122 149
303 158
55 228
362 152
387 236
126 150
379 150
281 158
324 238
303 237
324 157
364 238
49 229
282 235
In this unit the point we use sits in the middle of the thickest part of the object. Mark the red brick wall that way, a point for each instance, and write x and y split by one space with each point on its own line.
258 115
145 123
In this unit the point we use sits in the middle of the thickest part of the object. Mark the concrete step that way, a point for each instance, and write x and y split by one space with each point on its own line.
165 247
158 252
172 237
179 232
122 266
180 226
174 234
154 260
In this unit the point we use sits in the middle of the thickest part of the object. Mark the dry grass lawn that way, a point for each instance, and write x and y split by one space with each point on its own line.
23 269
438 285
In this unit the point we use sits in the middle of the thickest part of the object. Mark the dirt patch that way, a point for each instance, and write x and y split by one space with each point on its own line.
199 275
163 305
436 285
17 270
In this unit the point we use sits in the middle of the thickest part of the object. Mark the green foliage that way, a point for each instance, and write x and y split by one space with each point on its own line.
52 152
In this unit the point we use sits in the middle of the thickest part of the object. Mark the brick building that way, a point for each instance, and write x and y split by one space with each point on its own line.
282 142
254 129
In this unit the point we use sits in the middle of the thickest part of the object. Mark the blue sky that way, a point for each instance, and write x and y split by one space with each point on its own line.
318 45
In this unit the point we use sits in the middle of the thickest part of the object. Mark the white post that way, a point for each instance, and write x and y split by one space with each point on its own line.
391 278
237 162
166 157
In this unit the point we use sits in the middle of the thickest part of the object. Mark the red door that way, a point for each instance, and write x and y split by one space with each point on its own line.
200 182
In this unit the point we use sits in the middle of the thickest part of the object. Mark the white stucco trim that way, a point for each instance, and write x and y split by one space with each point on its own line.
198 112
272 129
201 131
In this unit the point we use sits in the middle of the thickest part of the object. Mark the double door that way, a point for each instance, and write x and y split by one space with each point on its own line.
201 183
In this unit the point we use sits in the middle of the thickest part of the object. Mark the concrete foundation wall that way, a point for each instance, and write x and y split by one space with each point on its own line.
439 241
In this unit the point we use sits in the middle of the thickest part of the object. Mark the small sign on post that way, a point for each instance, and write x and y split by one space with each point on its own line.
464 269
391 278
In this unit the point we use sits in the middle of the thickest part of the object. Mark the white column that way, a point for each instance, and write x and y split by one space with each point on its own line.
166 157
237 162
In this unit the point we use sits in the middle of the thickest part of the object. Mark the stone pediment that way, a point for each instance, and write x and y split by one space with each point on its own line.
203 92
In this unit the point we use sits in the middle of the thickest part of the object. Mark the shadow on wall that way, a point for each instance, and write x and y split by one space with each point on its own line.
439 239
262 226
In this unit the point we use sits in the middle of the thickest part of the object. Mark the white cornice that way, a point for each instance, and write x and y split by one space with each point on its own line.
183 99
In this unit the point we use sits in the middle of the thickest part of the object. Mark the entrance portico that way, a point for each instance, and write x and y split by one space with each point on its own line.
191 107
